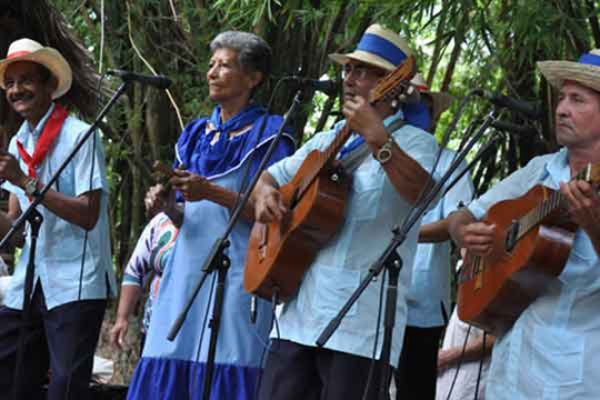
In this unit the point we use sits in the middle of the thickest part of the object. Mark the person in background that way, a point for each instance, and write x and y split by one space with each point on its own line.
429 293
464 353
149 257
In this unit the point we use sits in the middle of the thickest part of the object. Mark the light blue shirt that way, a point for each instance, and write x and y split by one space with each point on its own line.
373 209
430 286
60 245
552 350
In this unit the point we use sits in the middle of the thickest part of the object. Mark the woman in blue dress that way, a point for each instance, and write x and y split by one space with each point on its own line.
220 152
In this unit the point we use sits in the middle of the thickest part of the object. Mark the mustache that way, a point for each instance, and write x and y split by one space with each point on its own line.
20 96
566 122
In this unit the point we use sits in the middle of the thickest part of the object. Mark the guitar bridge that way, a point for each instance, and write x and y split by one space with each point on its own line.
512 236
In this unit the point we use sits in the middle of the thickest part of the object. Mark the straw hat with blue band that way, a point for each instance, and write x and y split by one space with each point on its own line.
379 47
30 50
585 71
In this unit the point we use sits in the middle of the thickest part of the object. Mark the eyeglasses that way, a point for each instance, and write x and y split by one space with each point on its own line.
361 72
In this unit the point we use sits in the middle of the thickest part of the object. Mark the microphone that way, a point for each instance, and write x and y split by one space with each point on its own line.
158 81
530 110
512 128
330 88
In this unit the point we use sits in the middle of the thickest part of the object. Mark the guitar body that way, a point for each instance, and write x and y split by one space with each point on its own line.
280 253
495 289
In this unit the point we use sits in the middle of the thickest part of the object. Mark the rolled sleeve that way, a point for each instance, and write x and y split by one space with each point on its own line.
89 166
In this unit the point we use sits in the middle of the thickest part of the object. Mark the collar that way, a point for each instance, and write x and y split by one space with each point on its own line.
26 128
557 168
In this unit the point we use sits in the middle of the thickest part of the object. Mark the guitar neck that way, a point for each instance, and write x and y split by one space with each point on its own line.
554 202
327 156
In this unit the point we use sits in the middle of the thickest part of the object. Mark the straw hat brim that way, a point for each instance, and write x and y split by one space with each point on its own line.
363 56
556 72
51 59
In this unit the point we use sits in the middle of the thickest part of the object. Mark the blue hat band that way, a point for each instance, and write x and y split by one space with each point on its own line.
590 59
382 47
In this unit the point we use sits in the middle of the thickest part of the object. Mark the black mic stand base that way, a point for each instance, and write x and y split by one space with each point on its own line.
35 220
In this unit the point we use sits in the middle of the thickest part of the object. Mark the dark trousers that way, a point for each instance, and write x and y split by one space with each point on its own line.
63 339
417 369
297 372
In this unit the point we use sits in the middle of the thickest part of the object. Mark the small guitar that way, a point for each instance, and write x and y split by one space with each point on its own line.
279 253
210 191
532 243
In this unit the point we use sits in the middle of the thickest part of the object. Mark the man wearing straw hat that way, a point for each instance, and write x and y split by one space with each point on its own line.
73 272
379 200
428 297
551 351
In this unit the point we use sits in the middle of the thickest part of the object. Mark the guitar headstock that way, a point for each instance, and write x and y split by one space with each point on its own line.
395 83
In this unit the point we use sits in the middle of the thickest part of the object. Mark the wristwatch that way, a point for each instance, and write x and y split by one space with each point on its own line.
384 153
31 187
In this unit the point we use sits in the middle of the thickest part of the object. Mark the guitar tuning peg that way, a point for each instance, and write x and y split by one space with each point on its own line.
410 95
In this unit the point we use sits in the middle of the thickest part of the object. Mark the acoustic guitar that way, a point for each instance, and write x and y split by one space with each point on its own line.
279 253
533 239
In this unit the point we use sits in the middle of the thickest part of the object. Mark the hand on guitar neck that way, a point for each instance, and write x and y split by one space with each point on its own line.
583 204
194 187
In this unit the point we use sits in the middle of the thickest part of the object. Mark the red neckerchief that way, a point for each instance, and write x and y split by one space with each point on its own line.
44 143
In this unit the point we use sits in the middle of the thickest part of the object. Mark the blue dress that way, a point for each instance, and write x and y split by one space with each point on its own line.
174 370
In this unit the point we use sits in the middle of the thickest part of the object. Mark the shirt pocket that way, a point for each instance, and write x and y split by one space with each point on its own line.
557 357
367 184
64 183
334 287
582 261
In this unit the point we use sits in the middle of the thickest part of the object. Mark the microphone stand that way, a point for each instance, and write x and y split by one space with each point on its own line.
391 260
35 220
218 261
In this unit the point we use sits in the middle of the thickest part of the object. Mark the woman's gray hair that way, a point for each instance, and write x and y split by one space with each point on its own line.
254 54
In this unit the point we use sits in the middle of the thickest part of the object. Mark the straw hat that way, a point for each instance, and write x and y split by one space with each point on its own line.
379 47
585 71
30 50
440 101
